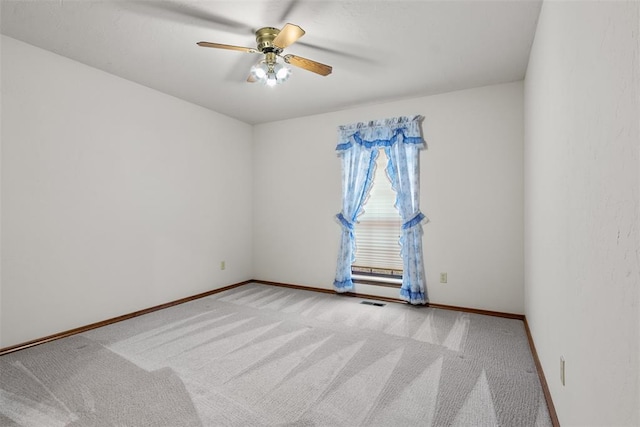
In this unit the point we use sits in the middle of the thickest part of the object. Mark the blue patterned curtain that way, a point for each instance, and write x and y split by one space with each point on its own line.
404 172
358 147
358 167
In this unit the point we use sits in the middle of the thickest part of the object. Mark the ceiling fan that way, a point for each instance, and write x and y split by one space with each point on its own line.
271 42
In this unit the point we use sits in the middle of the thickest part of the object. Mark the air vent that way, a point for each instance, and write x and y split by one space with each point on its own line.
377 304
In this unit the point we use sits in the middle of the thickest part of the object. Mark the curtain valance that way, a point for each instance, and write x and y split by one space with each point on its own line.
381 133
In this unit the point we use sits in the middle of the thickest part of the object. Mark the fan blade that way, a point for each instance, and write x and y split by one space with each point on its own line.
288 35
307 64
227 46
251 79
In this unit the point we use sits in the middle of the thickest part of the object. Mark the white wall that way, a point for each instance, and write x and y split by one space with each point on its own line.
1 104
115 197
582 207
471 179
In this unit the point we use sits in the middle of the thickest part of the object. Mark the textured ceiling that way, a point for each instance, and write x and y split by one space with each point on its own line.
379 50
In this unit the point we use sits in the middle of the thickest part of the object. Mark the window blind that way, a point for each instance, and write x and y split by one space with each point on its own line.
378 230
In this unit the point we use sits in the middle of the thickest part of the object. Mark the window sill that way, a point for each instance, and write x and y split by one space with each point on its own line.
377 280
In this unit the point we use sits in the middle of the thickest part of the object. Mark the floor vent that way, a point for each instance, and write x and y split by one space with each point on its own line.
377 304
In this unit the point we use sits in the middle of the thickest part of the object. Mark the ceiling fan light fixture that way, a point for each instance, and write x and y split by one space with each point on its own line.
270 74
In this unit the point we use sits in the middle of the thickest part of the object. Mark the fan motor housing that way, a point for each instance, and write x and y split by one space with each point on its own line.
264 38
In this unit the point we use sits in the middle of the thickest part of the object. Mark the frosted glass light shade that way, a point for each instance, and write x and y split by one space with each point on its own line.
282 72
259 71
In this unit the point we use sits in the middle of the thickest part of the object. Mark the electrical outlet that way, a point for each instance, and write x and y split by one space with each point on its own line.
562 370
222 265
443 277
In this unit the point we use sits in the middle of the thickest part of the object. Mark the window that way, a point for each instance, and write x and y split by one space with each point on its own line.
357 142
378 232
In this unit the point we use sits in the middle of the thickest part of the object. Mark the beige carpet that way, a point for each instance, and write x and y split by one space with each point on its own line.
263 355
